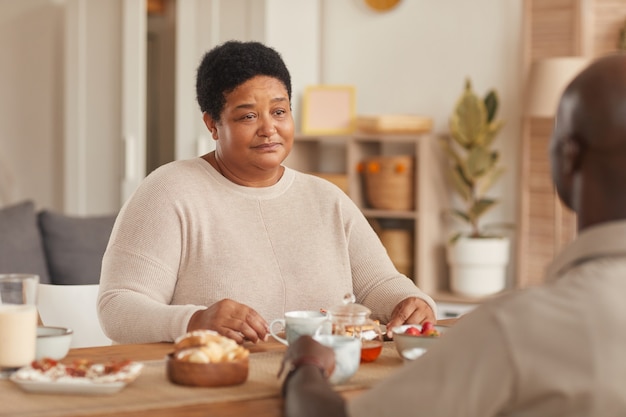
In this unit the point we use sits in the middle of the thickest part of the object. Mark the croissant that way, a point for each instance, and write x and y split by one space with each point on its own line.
207 346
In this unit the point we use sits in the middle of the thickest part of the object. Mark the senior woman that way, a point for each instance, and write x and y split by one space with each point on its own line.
234 239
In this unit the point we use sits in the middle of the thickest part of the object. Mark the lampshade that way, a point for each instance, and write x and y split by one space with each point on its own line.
548 78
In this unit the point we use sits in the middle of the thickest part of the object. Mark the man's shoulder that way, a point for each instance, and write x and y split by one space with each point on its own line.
523 309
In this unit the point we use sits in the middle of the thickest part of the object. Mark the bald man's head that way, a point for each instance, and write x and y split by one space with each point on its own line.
593 106
588 146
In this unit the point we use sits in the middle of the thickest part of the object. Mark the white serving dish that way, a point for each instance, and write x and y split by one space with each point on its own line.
57 387
56 380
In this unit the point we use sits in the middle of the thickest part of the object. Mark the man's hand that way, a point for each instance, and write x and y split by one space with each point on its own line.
231 319
307 390
306 347
411 310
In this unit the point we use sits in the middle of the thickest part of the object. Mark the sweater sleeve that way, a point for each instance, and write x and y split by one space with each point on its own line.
140 270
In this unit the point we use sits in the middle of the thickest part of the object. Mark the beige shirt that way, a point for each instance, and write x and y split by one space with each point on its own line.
188 237
555 350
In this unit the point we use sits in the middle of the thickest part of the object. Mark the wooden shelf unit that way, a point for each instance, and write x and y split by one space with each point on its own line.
428 221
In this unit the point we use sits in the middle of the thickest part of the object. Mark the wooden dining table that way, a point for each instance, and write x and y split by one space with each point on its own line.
265 406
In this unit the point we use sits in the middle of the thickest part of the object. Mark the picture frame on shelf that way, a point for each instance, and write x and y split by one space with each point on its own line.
329 110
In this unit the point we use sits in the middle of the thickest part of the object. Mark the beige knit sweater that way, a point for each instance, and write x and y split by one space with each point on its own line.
189 237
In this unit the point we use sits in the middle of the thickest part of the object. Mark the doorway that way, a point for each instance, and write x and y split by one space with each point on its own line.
160 91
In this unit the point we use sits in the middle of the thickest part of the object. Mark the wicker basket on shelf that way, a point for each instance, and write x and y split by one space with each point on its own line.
389 182
397 236
399 245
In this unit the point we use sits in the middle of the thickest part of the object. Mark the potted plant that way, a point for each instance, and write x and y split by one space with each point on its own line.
477 257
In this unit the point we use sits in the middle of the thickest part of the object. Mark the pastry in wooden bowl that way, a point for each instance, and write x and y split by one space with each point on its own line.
204 358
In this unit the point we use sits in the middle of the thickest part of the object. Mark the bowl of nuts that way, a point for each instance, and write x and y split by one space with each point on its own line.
204 358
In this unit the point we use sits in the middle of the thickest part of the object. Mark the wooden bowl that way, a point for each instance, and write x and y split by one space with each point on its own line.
220 374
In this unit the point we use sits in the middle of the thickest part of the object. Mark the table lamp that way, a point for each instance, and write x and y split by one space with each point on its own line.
548 78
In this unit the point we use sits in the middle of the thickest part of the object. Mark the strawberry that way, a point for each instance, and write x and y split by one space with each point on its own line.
427 327
413 331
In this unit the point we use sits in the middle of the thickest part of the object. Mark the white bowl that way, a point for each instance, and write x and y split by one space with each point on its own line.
53 342
406 344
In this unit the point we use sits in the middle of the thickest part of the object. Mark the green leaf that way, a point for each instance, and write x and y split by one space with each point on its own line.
492 130
460 184
490 179
468 122
479 161
461 215
458 164
481 207
455 237
459 138
491 104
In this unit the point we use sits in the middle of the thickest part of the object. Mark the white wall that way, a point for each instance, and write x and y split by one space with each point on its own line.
293 28
31 101
93 106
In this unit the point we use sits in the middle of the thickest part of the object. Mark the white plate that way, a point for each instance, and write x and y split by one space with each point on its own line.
55 381
58 387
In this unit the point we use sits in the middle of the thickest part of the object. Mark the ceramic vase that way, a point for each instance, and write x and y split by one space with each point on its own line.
478 265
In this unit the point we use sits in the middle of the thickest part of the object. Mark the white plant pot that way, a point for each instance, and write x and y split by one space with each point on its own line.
478 265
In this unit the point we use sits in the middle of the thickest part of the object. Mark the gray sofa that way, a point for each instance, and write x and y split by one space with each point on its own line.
61 249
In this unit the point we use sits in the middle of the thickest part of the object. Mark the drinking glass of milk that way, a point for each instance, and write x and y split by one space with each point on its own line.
18 321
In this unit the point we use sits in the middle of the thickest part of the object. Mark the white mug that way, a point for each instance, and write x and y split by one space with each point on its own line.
296 324
18 321
347 355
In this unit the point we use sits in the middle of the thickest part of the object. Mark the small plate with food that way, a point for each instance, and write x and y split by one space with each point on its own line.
49 376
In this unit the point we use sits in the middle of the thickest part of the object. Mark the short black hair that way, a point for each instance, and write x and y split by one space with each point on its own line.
231 64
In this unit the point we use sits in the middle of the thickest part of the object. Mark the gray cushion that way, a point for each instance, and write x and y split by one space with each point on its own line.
21 249
74 246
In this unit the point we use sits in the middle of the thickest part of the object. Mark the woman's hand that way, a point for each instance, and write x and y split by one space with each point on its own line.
411 310
231 319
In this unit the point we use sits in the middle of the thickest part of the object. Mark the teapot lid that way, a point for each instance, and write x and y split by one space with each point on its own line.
349 308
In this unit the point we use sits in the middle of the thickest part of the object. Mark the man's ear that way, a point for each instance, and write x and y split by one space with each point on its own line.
572 155
210 124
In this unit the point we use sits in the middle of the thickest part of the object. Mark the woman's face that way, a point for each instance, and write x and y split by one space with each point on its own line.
255 131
